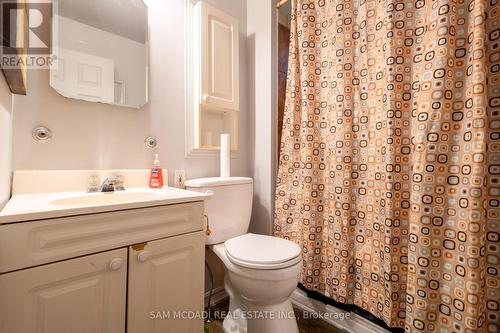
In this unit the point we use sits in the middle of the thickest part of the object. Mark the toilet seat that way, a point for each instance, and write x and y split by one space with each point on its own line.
285 264
262 252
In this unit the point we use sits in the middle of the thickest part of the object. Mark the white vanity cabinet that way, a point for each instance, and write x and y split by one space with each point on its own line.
105 272
165 284
80 295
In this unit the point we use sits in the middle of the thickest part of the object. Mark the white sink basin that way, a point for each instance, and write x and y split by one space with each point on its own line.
94 199
56 194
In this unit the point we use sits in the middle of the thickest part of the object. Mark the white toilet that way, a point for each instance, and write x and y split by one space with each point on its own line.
261 271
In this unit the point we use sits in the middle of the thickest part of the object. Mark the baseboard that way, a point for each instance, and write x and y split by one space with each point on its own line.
352 323
219 295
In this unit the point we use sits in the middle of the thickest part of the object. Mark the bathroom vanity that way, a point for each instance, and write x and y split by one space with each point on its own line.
102 262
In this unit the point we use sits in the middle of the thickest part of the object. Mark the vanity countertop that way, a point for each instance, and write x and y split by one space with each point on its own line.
30 207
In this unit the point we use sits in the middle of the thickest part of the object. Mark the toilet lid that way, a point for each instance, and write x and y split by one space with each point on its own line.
258 250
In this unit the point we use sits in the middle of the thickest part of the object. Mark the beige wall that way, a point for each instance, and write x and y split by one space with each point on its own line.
93 136
5 140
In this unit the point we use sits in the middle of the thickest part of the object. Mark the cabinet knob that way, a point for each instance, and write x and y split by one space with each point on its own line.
143 256
116 264
206 98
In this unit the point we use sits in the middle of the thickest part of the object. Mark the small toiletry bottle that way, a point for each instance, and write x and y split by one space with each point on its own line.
156 178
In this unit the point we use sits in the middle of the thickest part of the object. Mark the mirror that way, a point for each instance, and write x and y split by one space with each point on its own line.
101 51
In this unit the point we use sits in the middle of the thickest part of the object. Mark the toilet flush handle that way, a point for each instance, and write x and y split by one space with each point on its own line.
208 232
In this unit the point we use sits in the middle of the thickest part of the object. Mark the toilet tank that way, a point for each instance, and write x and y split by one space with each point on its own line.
230 207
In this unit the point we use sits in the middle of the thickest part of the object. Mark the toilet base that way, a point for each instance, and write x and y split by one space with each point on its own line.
245 317
275 323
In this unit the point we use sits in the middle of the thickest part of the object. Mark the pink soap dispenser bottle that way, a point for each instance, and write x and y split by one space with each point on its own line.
156 177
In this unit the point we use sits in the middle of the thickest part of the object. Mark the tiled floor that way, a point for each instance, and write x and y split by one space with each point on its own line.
305 325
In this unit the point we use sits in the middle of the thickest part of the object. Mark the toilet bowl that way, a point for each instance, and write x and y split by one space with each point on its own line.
259 291
261 271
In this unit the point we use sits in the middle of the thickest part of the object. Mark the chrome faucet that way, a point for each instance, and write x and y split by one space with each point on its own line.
112 184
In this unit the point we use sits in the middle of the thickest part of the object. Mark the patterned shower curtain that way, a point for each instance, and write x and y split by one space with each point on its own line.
389 172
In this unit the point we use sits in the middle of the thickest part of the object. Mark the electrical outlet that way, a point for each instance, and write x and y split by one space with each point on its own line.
180 179
165 177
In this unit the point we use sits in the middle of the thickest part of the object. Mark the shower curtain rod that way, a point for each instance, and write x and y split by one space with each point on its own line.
281 3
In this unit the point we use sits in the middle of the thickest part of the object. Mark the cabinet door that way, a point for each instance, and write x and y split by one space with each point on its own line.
219 58
83 295
84 76
166 280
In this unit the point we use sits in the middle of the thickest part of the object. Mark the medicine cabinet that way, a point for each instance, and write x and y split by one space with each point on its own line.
215 71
